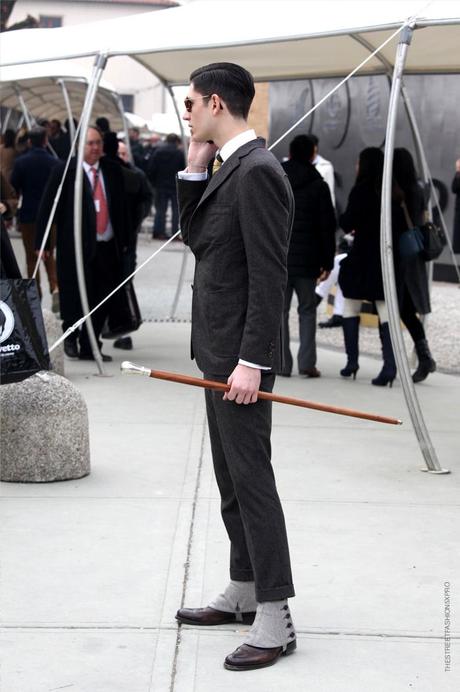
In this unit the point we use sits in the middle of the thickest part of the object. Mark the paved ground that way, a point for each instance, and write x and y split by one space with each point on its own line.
93 570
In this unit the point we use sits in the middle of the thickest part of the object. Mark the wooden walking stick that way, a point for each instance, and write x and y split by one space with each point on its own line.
132 369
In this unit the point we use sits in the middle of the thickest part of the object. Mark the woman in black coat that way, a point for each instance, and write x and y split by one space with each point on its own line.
360 275
411 275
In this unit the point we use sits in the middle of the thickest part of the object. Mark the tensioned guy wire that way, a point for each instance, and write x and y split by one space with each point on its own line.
409 21
85 317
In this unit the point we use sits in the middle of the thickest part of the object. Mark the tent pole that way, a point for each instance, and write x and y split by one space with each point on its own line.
185 251
388 272
99 66
24 110
6 120
119 103
68 106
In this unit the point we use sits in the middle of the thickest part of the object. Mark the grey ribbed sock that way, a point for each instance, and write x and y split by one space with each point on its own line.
272 626
239 596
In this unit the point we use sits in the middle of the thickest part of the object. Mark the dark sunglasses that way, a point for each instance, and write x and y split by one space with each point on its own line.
188 102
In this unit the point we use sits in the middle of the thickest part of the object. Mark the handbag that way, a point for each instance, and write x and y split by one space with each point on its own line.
124 313
411 240
434 241
23 343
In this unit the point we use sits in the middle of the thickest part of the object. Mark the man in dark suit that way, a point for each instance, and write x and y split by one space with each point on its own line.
104 239
165 162
237 224
29 177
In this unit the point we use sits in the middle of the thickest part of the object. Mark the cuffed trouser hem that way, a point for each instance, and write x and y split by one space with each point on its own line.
277 594
241 575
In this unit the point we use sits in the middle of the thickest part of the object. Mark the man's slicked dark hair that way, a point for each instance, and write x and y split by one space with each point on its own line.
301 149
37 136
231 82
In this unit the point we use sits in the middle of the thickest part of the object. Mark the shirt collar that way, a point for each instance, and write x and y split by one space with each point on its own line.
235 143
88 167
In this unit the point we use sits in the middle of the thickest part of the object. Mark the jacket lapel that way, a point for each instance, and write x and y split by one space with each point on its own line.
228 167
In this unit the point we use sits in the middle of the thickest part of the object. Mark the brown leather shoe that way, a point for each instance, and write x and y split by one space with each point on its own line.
247 657
207 617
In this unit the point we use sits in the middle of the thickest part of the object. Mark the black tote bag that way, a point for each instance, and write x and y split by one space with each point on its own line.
23 343
124 314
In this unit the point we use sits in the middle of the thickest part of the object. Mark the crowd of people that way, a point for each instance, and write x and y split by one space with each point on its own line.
120 191
122 182
356 267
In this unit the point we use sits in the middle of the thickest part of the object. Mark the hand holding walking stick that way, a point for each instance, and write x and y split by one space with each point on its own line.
132 369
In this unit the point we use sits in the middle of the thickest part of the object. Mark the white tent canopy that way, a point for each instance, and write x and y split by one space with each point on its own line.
40 87
274 40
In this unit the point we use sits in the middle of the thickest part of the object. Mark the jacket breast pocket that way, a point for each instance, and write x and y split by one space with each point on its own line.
217 225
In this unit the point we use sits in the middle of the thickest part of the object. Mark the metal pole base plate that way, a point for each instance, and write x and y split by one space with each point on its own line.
436 472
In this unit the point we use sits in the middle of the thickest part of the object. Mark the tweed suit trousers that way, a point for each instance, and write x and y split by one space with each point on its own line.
250 505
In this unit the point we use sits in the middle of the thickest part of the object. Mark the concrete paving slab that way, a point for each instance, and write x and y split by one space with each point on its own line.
357 567
103 660
86 562
320 664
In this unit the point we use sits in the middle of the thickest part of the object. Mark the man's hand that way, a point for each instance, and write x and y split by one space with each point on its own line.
199 155
323 276
244 384
457 165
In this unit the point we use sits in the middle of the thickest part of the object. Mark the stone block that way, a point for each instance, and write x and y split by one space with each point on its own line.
44 430
53 333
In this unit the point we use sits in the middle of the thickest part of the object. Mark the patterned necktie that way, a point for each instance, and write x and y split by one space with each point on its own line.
100 202
218 161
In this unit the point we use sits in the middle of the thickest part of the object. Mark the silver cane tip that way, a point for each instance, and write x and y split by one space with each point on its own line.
128 368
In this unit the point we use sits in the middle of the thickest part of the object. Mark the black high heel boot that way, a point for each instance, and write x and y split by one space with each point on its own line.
426 362
388 372
350 327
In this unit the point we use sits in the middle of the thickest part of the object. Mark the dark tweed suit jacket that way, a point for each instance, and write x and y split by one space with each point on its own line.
237 225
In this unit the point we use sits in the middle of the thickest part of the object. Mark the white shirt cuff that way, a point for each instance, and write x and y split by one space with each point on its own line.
252 365
183 175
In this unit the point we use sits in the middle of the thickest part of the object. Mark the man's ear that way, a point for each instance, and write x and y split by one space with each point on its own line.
216 103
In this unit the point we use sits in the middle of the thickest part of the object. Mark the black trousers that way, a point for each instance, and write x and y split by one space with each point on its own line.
102 276
250 505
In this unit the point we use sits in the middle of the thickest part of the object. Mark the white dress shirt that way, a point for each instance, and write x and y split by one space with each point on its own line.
108 233
326 170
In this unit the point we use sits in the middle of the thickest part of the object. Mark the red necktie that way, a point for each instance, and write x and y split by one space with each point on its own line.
102 212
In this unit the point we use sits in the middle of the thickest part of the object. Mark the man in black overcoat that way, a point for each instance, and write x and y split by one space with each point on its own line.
102 247
311 250
237 224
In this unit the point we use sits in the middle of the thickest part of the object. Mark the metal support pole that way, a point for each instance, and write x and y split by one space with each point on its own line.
24 110
185 252
388 273
6 120
99 66
68 106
